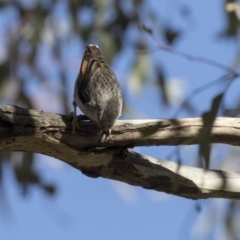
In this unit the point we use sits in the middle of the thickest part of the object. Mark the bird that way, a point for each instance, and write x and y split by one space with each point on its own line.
97 91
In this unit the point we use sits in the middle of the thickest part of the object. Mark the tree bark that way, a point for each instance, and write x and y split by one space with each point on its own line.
51 134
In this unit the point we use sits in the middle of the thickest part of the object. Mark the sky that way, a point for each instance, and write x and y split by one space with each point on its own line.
86 208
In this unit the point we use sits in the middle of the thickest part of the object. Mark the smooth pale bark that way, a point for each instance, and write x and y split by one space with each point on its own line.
51 134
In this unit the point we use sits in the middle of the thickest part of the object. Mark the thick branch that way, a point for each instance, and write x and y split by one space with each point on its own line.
51 134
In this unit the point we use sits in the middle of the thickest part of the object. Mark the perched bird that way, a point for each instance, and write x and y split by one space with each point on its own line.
97 92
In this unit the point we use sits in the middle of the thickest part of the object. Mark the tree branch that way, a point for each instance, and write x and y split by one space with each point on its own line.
51 134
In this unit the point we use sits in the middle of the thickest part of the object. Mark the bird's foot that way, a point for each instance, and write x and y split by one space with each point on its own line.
74 122
103 135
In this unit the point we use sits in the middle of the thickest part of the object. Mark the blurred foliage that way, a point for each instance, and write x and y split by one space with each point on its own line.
33 30
232 23
205 133
36 37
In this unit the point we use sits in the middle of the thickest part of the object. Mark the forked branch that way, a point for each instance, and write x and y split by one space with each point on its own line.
51 134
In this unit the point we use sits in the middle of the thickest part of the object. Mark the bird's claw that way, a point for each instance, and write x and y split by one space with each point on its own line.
103 135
